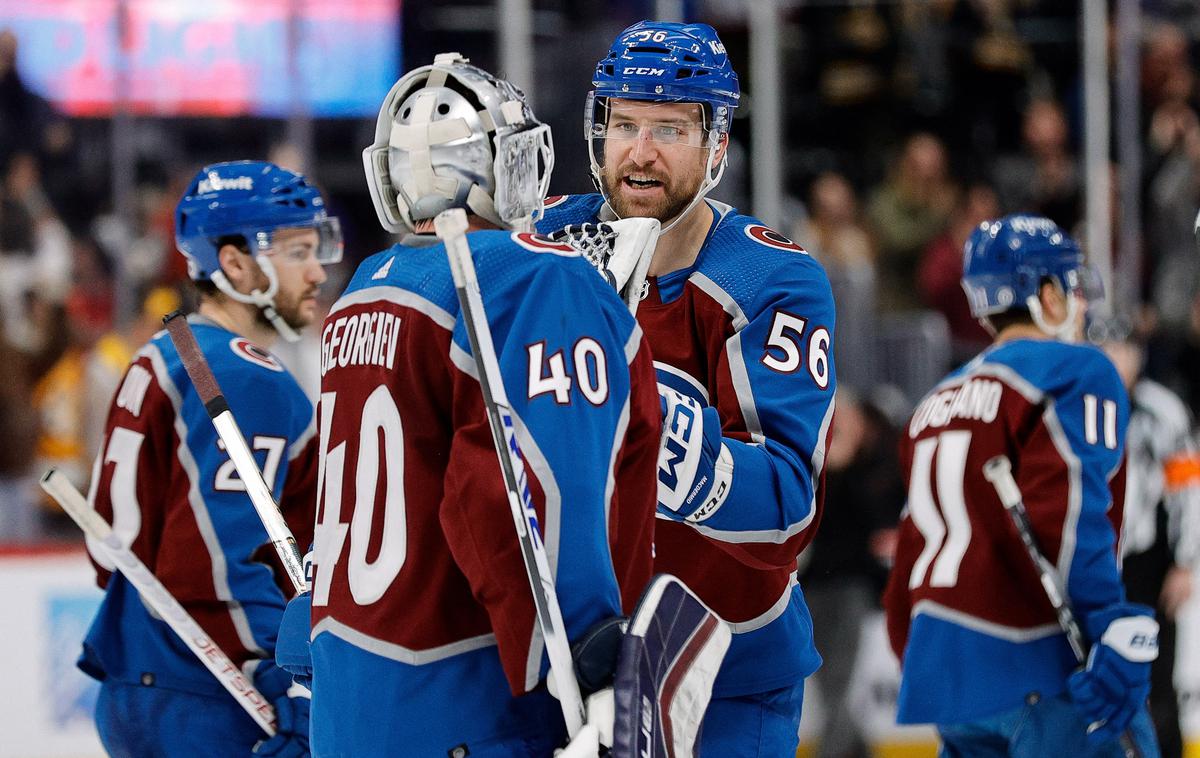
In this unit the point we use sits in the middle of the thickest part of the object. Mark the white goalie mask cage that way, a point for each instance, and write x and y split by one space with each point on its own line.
449 135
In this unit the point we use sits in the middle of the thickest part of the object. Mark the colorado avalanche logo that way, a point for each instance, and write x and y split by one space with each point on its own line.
248 351
539 244
554 200
771 238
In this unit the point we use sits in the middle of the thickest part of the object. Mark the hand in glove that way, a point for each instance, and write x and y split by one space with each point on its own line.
695 469
291 724
1116 681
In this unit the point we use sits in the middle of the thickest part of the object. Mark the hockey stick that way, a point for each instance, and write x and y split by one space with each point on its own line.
235 444
161 600
998 471
451 227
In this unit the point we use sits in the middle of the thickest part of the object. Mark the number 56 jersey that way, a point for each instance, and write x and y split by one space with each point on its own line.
966 612
423 618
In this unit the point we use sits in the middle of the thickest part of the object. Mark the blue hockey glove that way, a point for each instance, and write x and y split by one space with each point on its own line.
291 725
292 650
1116 681
695 469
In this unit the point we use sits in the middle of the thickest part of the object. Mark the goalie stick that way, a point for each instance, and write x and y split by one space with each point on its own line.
218 410
451 227
161 600
998 471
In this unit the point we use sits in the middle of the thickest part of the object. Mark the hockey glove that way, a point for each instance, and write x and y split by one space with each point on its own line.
620 250
292 650
695 469
1116 681
291 725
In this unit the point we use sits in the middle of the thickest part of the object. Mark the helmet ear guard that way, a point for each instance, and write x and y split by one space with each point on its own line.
450 135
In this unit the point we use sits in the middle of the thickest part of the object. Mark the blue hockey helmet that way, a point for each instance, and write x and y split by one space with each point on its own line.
670 62
1006 261
251 200
664 62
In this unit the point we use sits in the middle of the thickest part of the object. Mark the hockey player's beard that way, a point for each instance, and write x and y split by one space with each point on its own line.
292 311
674 200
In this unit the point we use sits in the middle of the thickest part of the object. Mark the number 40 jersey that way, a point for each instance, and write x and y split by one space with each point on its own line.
423 618
966 612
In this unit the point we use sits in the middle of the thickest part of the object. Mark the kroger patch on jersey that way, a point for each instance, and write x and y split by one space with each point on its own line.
976 399
216 183
363 339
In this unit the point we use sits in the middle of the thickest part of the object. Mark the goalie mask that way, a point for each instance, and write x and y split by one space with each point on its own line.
250 200
656 62
450 135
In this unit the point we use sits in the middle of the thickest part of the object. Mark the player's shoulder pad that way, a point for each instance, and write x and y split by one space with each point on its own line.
561 210
754 263
1060 369
240 366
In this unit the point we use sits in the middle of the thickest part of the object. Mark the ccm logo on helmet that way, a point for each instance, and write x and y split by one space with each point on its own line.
643 71
771 238
215 183
248 351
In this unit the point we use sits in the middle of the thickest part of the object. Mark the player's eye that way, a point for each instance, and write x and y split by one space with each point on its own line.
666 134
623 130
297 253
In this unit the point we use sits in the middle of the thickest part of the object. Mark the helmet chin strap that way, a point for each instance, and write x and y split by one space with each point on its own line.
1065 331
265 301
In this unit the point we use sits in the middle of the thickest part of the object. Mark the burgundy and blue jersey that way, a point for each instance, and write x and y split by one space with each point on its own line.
424 636
748 330
163 480
966 612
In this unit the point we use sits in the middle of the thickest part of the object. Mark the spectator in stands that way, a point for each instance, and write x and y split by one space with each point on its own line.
834 234
1172 176
940 273
19 429
846 566
1044 178
906 213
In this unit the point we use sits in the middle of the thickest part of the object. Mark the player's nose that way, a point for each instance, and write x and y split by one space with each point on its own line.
644 149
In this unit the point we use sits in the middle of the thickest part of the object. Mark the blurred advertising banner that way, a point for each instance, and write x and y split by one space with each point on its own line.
51 599
215 58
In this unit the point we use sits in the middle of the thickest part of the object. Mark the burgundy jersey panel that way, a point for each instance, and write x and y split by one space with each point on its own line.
420 385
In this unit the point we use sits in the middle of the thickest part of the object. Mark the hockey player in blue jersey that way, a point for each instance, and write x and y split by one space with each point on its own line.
255 237
423 641
740 321
982 654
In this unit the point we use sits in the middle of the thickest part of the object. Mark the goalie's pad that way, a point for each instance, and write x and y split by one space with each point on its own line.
669 658
620 250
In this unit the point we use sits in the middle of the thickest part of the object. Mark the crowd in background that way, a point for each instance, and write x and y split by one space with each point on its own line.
907 124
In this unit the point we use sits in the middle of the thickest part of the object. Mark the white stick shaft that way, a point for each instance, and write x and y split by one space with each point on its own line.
161 600
260 495
206 386
451 227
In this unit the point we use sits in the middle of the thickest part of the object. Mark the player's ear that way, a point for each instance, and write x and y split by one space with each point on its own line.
237 265
1053 300
723 145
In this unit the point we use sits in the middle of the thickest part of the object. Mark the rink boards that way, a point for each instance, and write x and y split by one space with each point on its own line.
49 702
